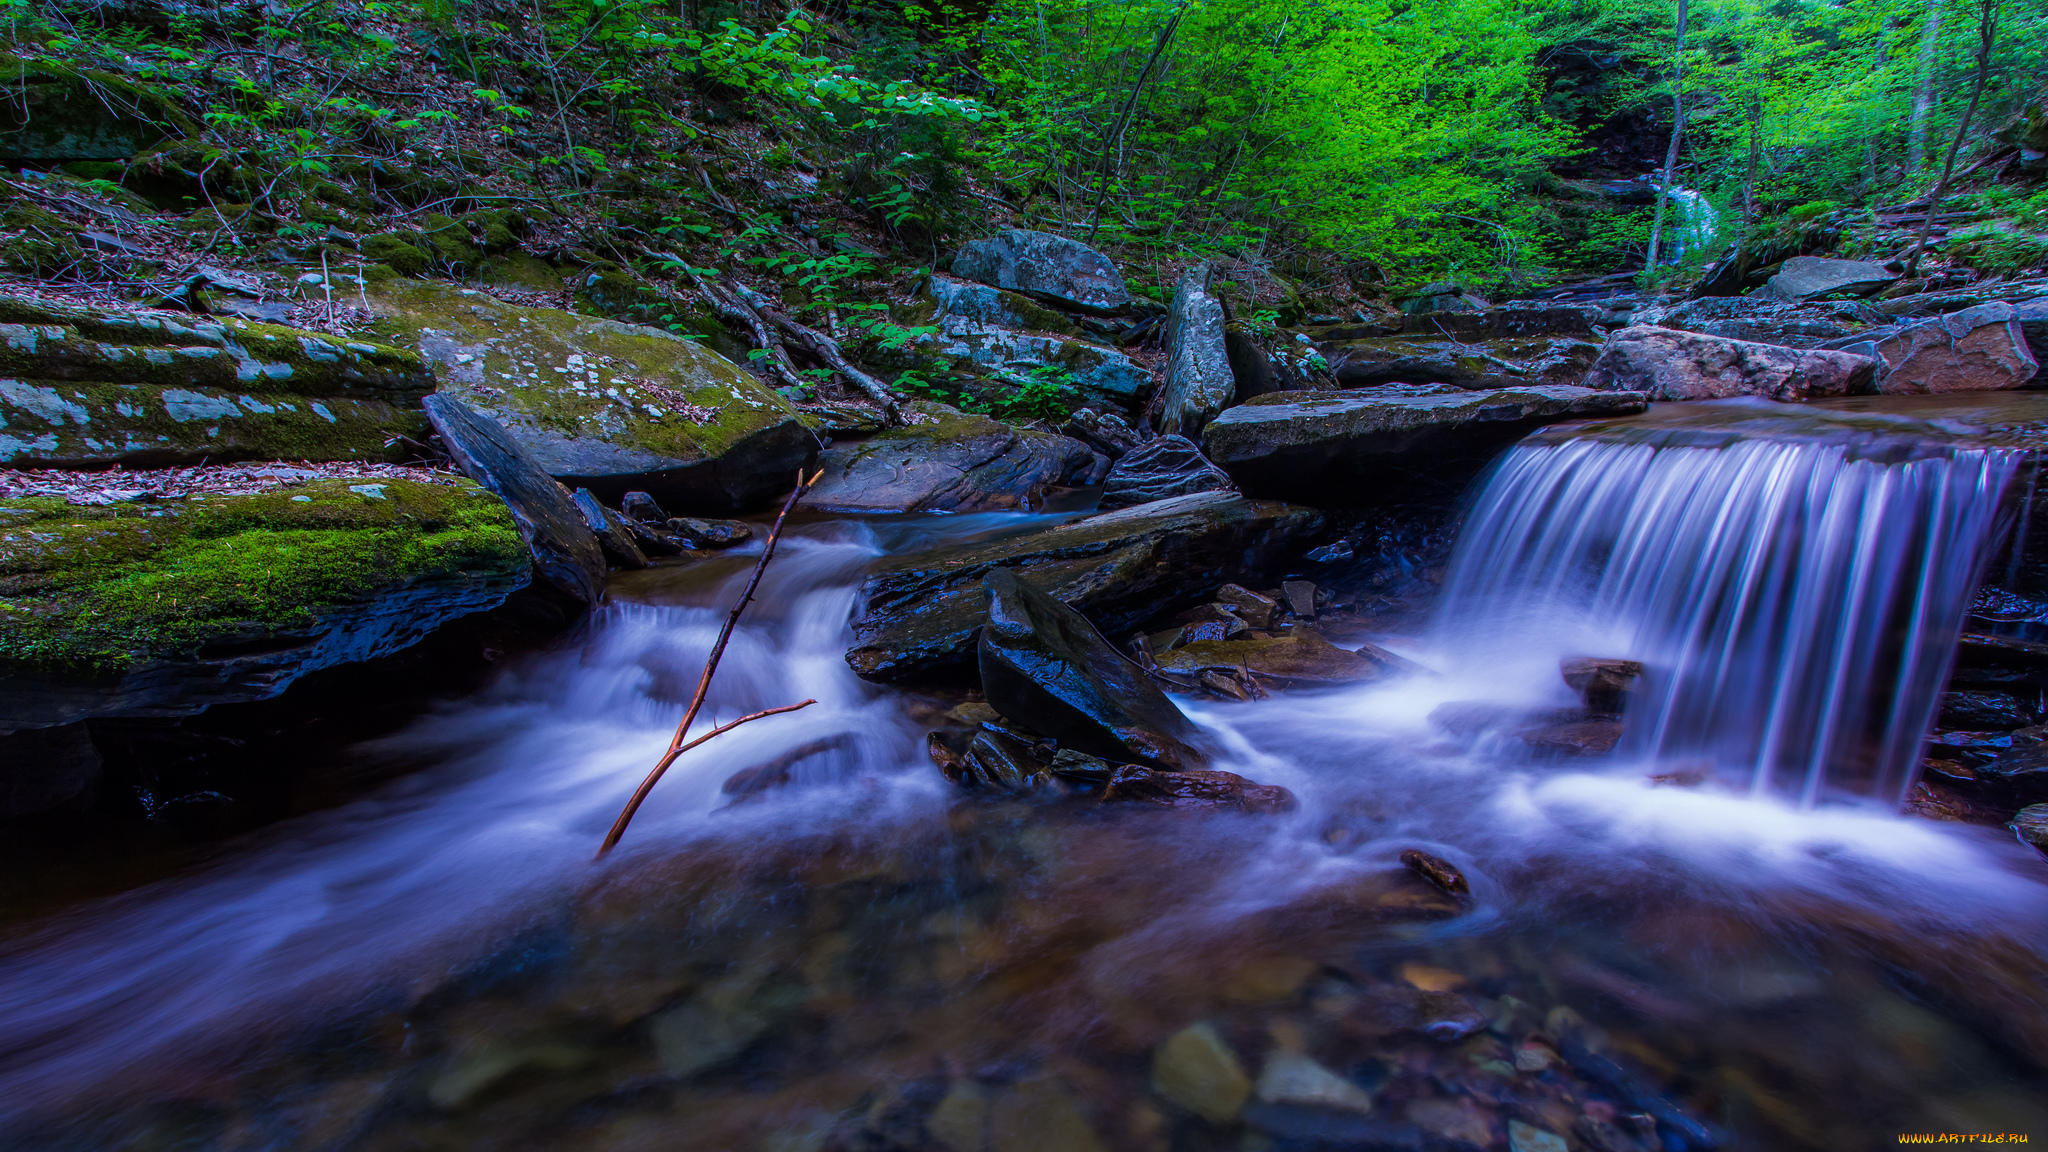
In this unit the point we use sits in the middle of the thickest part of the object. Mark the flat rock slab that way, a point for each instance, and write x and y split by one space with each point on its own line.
956 463
565 551
1045 265
603 405
1978 349
1340 447
1296 656
90 387
1760 320
1485 363
166 608
1805 277
918 617
1667 364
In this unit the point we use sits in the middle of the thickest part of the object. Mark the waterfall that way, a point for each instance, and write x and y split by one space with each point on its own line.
1696 225
1795 602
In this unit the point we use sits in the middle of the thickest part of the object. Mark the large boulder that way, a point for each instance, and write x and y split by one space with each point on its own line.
51 112
1666 364
1514 318
604 405
1044 265
1044 666
1363 447
565 551
1101 374
95 387
953 463
168 607
1814 324
1160 469
917 617
1490 363
1199 383
962 302
1807 277
1978 349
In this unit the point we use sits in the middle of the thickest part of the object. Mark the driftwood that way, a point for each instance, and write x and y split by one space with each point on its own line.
678 744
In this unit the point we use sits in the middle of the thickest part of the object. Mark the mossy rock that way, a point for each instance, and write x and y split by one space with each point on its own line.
83 387
166 608
449 243
605 405
956 462
398 252
53 112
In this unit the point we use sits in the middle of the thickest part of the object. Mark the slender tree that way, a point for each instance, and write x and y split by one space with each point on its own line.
1987 36
1923 91
1677 135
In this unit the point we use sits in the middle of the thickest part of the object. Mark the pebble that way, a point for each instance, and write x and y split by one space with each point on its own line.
1292 1078
1195 1069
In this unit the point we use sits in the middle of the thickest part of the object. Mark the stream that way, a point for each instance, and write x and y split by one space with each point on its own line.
862 956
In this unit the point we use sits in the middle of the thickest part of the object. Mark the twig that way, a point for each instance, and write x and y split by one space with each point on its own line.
676 745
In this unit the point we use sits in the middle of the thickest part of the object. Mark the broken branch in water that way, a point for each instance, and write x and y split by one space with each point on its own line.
677 745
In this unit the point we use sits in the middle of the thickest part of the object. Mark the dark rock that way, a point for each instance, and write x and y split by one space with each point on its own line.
1106 432
641 507
1592 737
1763 321
1981 710
1440 872
958 463
1492 363
1247 605
2032 316
962 300
918 617
1104 376
565 551
2019 777
1160 469
47 770
1296 656
52 113
697 532
1199 383
1044 666
2031 826
1301 598
1188 788
1978 349
1666 364
1044 265
1805 277
1602 683
1359 447
613 534
1307 1126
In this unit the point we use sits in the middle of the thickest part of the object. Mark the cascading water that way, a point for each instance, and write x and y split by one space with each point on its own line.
1795 601
1695 225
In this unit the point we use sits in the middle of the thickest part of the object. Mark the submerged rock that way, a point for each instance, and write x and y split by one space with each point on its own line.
1044 666
565 551
960 463
165 609
1352 447
1602 683
1160 469
1196 1070
1441 873
1045 265
604 405
1199 383
917 618
89 387
1666 364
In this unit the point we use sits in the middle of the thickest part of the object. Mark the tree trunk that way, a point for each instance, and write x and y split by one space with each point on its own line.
1987 34
1670 150
1923 92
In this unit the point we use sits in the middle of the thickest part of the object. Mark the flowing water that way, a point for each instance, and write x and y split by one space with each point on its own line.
862 957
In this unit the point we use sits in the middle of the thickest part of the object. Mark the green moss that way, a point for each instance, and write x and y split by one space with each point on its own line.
396 251
101 588
448 242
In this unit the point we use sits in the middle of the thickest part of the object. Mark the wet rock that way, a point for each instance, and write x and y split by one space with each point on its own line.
1160 469
605 405
1293 1078
1208 622
1494 363
2019 777
1044 265
1301 598
918 617
1357 447
1247 605
1309 1127
1666 364
1297 656
957 463
2031 826
1975 350
1199 383
1594 737
959 1123
565 552
1106 432
613 534
699 532
641 507
166 608
1602 683
1761 321
1187 789
1529 1138
1980 710
1460 1121
1805 277
1401 1009
474 1073
1039 1115
1441 873
1044 666
1197 1071
90 387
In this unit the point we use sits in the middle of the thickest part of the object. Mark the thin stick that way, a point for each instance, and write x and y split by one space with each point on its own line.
676 745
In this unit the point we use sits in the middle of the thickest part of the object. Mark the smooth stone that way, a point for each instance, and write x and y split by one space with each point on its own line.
471 1075
1296 656
956 463
1460 1120
1044 265
700 532
1039 1115
1292 1078
1667 364
693 1038
917 618
1804 277
1321 1128
959 1123
1160 469
1529 1138
566 553
1601 682
1199 383
1441 873
1044 666
1197 1071
613 536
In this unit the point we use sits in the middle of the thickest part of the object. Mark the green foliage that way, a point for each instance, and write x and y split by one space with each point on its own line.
1048 392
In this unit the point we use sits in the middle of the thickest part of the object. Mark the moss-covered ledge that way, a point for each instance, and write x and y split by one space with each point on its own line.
165 608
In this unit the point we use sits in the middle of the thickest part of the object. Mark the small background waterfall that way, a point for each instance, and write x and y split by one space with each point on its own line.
1694 223
1795 601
